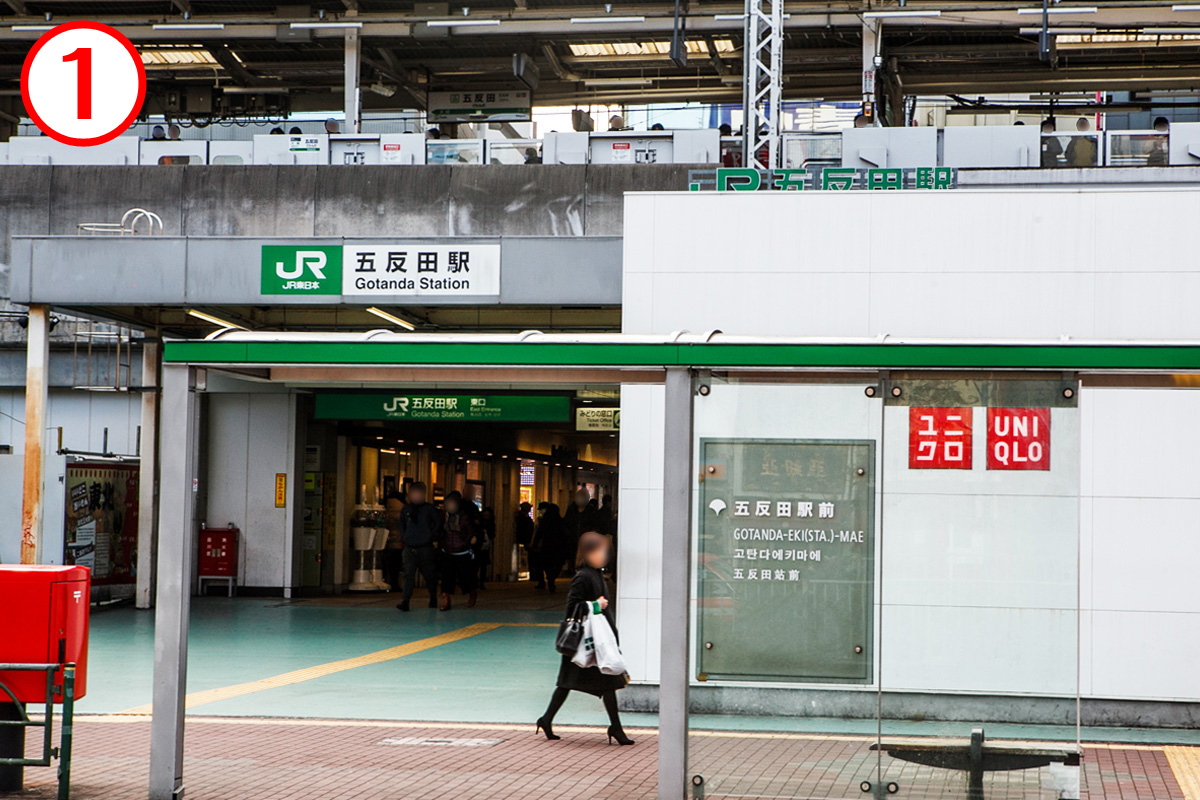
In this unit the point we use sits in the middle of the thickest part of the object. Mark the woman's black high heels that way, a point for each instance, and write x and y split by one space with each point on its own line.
618 733
544 727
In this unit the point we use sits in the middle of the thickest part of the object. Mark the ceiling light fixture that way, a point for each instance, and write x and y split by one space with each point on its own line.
308 26
192 26
461 23
900 14
392 318
1060 10
595 20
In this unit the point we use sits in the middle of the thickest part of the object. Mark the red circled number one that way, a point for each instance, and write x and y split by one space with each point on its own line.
83 72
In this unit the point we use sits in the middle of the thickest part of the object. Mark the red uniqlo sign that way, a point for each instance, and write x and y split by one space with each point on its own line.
939 438
1018 438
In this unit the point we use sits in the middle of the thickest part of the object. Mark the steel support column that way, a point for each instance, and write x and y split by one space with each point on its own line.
870 53
676 586
762 84
37 397
148 474
174 580
353 98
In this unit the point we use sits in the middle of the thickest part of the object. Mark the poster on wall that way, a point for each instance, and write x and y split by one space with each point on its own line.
102 519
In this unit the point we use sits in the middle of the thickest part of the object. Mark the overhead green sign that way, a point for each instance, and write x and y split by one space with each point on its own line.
444 408
308 269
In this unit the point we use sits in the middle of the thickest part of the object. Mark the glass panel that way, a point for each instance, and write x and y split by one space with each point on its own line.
812 150
1070 150
228 160
783 590
180 160
1137 149
978 616
454 151
514 151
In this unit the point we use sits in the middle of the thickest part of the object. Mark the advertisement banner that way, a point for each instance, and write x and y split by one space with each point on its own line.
102 519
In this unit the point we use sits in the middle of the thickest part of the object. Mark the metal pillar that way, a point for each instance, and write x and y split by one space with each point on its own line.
37 397
870 52
762 83
676 587
148 475
174 579
352 97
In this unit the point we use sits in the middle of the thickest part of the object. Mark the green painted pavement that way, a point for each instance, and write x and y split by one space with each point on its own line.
502 676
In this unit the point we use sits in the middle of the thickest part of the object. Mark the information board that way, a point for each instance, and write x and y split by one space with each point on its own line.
786 560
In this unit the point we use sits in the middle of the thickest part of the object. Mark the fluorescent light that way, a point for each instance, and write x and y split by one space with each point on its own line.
901 14
1171 31
1185 8
618 82
460 23
33 27
392 318
1059 31
224 323
728 17
191 26
1060 10
602 20
308 26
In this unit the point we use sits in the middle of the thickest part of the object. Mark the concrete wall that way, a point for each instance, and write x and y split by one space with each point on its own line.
296 201
988 264
250 438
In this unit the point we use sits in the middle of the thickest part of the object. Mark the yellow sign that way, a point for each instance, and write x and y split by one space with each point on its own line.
280 489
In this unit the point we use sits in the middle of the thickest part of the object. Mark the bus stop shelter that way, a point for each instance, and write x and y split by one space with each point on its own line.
685 364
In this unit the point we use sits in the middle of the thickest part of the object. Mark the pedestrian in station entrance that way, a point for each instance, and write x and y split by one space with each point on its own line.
486 543
548 549
420 526
456 551
588 586
580 517
393 552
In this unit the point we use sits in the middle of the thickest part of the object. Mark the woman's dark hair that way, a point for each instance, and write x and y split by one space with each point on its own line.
590 542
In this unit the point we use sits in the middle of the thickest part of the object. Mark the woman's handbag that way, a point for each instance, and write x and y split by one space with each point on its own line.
570 634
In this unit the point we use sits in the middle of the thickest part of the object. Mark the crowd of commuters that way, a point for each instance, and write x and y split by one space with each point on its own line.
451 548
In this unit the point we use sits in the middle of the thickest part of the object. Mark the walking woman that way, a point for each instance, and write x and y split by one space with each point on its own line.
588 585
457 543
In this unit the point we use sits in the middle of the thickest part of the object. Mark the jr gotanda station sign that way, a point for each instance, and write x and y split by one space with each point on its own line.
829 179
392 269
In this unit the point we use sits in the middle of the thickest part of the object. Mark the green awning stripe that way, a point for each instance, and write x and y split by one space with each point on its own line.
716 355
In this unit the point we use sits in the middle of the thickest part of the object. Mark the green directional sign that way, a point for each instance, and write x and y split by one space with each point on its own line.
307 269
444 408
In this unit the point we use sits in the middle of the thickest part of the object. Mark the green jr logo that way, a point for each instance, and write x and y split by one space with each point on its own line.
287 269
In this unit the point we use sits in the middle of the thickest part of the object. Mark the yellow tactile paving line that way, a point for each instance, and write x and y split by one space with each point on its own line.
321 670
1185 763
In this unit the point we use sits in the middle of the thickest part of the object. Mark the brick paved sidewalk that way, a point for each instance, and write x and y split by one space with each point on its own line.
269 759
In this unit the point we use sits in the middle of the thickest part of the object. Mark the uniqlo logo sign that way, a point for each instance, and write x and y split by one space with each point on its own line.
1018 438
939 438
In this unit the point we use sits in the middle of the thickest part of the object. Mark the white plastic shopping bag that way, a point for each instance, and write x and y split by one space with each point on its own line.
585 656
604 641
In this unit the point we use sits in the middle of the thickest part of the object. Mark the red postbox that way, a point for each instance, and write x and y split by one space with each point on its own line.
45 621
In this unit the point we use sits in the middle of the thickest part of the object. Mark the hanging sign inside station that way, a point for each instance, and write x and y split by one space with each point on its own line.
443 408
382 271
830 179
939 438
597 419
1018 438
494 105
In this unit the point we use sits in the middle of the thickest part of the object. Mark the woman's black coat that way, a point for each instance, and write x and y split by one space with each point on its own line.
588 585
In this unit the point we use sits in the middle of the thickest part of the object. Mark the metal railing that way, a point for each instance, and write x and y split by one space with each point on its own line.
128 226
49 751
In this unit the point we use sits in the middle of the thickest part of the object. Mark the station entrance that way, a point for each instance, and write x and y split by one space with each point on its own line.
506 452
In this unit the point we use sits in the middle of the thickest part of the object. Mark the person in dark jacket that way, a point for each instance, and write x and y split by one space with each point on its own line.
588 587
580 517
420 526
457 551
486 542
547 551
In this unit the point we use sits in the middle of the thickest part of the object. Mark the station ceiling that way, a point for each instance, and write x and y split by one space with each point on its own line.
972 48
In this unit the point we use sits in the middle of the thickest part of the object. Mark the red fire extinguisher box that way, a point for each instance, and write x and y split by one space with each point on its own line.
218 553
44 620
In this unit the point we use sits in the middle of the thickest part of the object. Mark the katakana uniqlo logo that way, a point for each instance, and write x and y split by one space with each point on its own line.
939 438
